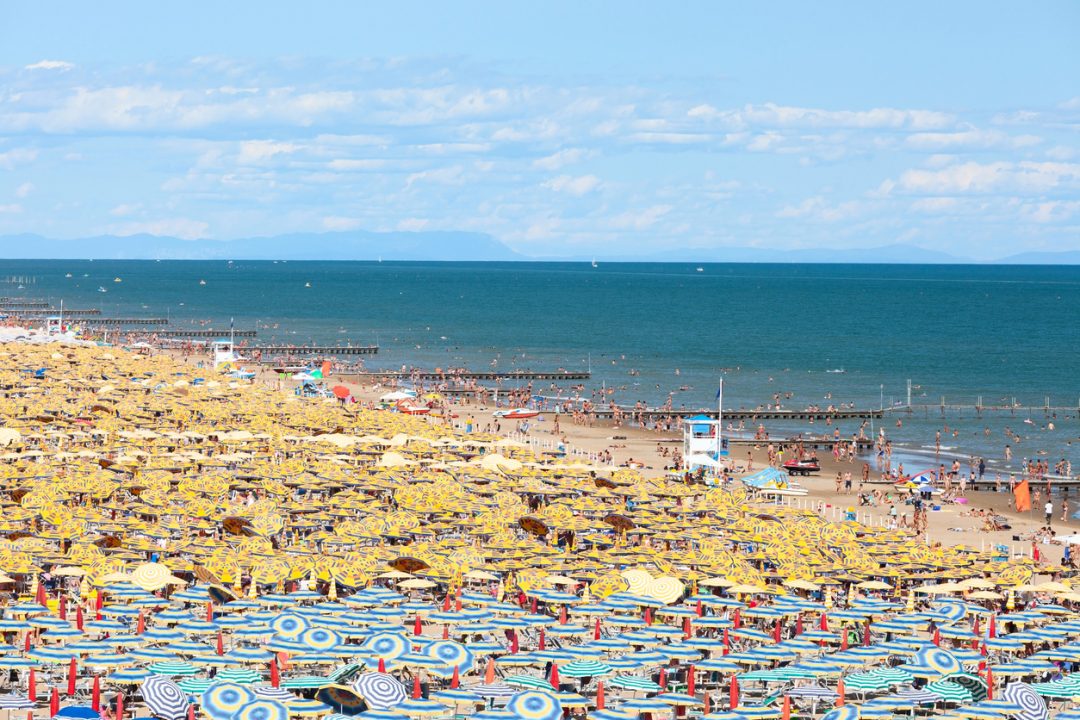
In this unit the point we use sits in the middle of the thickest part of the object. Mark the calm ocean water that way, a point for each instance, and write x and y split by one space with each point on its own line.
958 332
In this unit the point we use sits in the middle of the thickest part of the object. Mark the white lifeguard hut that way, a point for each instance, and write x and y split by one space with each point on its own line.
54 325
225 357
703 438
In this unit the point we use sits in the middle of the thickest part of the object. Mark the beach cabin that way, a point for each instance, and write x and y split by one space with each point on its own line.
703 443
54 325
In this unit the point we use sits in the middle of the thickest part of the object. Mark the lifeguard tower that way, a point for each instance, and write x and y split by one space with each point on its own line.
54 325
703 443
225 357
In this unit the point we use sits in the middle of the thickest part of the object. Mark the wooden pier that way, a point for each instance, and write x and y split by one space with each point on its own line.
311 349
15 305
39 312
479 376
741 414
216 334
127 321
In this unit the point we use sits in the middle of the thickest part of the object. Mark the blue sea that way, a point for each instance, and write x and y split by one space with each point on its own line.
959 333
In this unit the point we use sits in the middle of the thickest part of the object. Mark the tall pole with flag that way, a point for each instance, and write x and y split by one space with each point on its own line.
719 416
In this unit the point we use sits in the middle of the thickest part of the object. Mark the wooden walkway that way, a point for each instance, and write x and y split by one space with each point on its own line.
311 349
480 376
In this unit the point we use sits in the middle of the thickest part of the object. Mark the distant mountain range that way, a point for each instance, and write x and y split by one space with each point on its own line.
448 246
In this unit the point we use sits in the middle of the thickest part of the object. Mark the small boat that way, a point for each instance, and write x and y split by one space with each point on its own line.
837 371
515 414
307 284
117 280
594 263
802 467
101 288
291 369
701 269
68 275
202 282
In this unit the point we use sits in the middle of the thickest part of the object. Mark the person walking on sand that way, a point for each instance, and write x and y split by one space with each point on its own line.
1065 510
1049 511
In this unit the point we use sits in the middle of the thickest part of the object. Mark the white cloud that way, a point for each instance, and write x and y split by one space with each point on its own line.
934 205
451 175
337 224
125 209
184 228
1052 212
412 224
577 186
641 219
969 138
10 209
973 177
257 151
60 65
24 190
10 159
561 159
349 165
773 115
816 208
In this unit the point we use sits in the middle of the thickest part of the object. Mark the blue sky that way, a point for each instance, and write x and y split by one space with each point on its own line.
558 127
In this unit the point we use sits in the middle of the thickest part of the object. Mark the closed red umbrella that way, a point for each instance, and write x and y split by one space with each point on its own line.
220 644
455 681
691 681
79 617
596 630
191 712
417 692
542 642
727 642
41 597
275 673
687 629
737 620
54 702
120 706
840 693
662 682
989 684
72 672
61 607
866 634
31 688
785 713
555 676
141 627
95 695
734 696
599 696
825 621
418 627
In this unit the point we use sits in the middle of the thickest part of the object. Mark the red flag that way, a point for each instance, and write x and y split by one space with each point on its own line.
31 688
54 702
95 695
120 706
72 671
840 692
275 673
734 694
417 692
600 695
691 681
555 676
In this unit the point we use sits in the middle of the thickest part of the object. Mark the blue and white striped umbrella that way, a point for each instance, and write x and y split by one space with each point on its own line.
451 654
165 698
221 701
379 690
290 625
